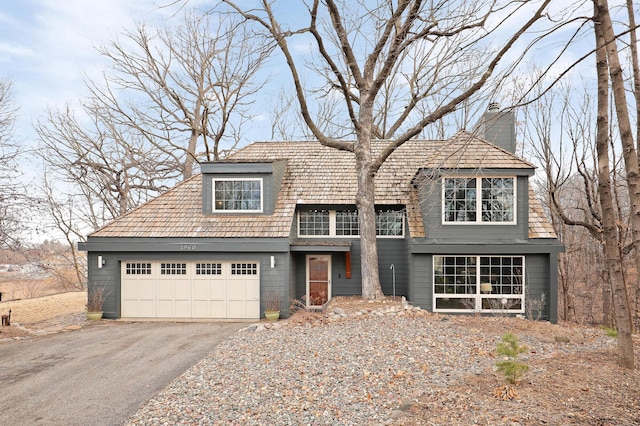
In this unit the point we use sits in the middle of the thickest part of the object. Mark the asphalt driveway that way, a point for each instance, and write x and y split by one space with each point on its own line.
99 375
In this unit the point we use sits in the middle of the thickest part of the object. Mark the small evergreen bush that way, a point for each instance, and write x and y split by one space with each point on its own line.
510 367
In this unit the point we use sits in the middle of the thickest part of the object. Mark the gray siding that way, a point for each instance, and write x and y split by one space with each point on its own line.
499 128
431 206
107 277
422 282
538 280
186 245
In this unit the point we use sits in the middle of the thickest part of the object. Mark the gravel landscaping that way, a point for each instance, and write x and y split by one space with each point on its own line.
364 367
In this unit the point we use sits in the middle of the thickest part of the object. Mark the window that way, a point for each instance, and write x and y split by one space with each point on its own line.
314 222
390 223
173 269
244 269
479 200
345 223
478 283
497 200
138 268
232 195
208 269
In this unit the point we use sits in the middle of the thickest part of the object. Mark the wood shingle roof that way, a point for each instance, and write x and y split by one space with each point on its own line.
316 175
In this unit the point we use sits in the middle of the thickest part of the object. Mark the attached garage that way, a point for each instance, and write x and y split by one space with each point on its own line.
198 289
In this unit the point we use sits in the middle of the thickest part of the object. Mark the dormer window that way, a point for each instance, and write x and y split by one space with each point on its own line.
479 200
237 195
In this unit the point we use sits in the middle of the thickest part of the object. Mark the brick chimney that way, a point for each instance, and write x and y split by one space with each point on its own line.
499 127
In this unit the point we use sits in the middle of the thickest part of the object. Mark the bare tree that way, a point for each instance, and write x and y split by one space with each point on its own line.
608 66
186 90
12 197
109 166
570 185
430 56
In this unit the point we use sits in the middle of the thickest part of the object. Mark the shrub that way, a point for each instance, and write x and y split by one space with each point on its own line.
272 299
95 299
510 349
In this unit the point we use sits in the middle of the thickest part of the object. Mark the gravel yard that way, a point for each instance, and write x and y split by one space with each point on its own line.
379 365
382 367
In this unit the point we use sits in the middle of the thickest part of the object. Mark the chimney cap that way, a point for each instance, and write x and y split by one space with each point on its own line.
494 106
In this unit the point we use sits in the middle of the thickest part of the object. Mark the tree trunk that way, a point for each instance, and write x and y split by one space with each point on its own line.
569 310
608 318
365 201
187 166
626 136
610 232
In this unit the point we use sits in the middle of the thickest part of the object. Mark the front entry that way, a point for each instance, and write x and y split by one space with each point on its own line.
318 279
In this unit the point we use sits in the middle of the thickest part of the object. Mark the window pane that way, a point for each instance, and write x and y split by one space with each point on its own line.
244 269
460 199
454 303
347 223
505 277
314 222
389 222
243 195
459 279
208 269
497 200
173 269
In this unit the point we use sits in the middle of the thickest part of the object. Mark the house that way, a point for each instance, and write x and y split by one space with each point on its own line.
460 230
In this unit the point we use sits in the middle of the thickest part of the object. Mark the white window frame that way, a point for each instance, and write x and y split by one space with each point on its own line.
479 296
332 227
213 194
479 220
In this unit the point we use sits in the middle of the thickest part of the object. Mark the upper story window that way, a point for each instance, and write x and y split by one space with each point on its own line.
345 223
479 200
314 222
237 195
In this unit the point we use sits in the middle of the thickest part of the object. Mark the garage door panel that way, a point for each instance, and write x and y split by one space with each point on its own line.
166 290
236 291
182 309
252 291
244 297
219 290
201 290
165 308
219 309
237 309
182 290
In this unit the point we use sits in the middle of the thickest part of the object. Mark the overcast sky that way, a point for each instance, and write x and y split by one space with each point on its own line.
47 46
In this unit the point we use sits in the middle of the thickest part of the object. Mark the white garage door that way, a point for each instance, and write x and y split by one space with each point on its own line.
190 290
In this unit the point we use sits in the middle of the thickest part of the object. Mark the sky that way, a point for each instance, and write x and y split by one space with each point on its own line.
47 47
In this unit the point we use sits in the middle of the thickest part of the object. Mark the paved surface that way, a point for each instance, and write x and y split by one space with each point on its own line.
99 375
